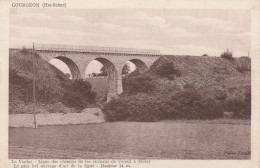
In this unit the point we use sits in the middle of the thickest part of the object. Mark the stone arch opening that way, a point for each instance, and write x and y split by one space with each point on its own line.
94 69
74 70
139 65
128 68
104 85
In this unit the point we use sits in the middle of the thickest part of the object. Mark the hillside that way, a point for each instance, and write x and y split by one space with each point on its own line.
52 86
174 87
185 87
204 71
48 77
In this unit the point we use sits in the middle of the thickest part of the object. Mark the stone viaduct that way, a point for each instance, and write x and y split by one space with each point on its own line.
77 59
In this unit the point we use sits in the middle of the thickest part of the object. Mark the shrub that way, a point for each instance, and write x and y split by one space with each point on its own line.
243 64
186 104
80 95
242 69
168 71
138 84
24 51
115 110
84 88
240 107
227 55
140 107
74 100
190 104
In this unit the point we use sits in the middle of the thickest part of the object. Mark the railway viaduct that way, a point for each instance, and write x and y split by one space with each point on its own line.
77 59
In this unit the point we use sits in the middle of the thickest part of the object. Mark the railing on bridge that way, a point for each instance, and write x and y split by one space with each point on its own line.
74 48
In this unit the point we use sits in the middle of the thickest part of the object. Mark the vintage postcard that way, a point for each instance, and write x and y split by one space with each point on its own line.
125 84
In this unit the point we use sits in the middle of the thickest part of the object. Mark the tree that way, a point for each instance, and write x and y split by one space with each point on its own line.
80 95
227 55
67 75
94 74
126 69
168 71
103 72
138 84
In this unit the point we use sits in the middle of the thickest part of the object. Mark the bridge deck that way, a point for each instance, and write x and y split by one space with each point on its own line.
55 47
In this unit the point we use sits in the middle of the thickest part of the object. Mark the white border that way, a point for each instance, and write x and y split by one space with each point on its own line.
253 5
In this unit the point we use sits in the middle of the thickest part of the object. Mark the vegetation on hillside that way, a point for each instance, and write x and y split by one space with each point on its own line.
138 84
52 86
174 88
227 55
168 71
183 88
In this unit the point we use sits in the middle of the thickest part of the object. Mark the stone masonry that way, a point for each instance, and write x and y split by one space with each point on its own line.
77 59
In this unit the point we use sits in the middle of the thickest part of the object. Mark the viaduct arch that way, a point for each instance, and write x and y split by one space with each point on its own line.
77 59
72 66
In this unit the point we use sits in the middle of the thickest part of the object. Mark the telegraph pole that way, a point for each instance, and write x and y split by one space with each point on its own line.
34 101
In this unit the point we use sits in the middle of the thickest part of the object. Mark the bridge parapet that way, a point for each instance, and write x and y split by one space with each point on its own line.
74 48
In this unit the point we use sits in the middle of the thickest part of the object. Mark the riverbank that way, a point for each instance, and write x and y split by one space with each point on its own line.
88 115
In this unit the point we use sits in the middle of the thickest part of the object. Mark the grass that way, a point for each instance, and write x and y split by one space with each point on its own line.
205 71
238 81
215 121
161 140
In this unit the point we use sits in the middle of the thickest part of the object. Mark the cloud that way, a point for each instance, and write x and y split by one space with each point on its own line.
154 21
135 28
210 25
190 50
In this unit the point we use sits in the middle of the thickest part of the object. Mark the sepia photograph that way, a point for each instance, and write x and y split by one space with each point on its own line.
129 83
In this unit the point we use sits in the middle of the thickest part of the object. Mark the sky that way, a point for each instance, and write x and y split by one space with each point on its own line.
172 31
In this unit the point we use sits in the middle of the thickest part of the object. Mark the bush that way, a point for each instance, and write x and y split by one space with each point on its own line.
243 64
74 100
242 69
80 95
140 107
187 104
116 110
138 84
240 107
190 104
227 55
168 71
84 88
25 51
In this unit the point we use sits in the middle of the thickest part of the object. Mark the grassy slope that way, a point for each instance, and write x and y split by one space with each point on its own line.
205 71
50 84
21 74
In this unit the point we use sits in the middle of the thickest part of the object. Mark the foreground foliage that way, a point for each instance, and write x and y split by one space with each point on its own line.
52 86
202 97
137 83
